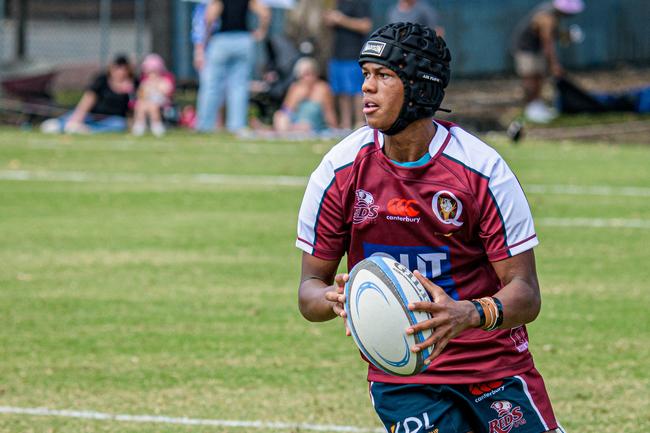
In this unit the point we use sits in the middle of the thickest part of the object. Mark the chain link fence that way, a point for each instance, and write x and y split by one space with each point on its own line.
74 37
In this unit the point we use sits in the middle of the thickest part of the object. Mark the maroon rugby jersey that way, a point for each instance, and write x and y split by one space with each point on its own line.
448 218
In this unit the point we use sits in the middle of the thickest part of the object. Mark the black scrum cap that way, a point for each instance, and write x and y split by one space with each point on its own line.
421 60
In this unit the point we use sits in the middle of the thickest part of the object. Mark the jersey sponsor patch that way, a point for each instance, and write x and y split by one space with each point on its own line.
414 424
447 208
432 262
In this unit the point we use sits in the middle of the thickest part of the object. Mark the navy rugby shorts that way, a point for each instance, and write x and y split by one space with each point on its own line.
515 404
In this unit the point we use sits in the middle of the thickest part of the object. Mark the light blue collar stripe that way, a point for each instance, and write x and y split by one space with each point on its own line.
419 163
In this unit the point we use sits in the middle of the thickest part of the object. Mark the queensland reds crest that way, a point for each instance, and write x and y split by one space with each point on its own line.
364 207
502 407
447 208
509 417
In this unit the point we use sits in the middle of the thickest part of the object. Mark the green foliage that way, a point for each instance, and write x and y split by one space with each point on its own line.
179 298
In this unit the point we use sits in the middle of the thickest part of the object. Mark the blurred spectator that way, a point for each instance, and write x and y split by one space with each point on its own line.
415 11
304 26
535 54
267 93
103 106
154 94
309 104
351 24
199 35
228 61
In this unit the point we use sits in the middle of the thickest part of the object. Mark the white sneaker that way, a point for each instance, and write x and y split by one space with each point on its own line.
536 111
158 129
138 129
76 128
51 126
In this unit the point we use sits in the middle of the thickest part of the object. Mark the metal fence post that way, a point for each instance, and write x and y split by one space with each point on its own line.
20 18
182 45
2 31
161 22
140 19
105 28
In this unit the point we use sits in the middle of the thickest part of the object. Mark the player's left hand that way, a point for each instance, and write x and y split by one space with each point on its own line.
449 318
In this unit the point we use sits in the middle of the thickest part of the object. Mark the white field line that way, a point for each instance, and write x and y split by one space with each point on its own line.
41 411
594 223
297 181
199 179
627 191
133 146
254 180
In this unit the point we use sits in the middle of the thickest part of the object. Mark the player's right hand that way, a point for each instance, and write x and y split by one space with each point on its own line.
337 297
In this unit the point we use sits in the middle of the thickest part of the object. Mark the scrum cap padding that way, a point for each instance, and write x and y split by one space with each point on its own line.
421 60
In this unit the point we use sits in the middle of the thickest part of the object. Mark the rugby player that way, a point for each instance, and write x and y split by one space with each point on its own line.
447 206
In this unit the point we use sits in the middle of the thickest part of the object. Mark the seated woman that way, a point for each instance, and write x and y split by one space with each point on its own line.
154 94
309 103
103 106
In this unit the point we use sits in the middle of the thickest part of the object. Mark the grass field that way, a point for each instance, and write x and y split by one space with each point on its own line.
130 284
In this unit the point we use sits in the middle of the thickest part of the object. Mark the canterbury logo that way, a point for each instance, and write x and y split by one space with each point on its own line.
483 387
403 207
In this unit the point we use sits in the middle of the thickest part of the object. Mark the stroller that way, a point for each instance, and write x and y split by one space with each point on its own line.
267 95
27 96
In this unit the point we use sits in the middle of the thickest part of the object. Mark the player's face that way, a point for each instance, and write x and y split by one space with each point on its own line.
383 95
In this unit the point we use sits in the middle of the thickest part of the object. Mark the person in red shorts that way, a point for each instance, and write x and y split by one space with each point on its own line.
467 235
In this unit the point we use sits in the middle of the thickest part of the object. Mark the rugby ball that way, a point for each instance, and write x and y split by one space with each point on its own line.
376 298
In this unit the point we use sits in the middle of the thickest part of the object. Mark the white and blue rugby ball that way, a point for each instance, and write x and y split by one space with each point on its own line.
376 298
